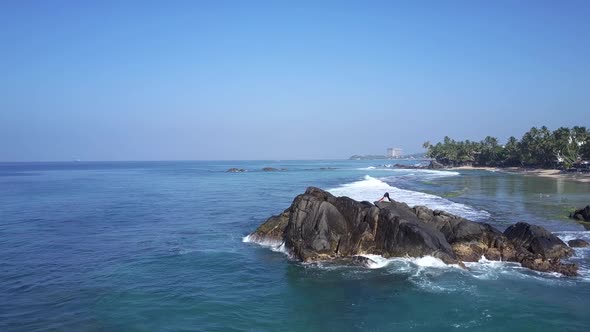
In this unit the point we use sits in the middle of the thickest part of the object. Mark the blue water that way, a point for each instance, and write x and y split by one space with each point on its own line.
158 246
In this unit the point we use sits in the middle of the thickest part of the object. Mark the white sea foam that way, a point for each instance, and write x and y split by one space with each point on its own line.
427 173
277 246
572 235
490 270
371 189
581 255
425 261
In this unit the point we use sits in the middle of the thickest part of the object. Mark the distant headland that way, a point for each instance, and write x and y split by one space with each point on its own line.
384 157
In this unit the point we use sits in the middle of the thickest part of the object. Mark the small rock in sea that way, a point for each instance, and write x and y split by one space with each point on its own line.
578 243
272 169
235 170
581 214
362 261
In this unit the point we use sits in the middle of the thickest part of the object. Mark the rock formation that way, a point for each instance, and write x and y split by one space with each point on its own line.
319 226
270 169
235 170
581 214
578 243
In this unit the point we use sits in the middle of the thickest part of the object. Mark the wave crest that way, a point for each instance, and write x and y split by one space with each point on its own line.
371 189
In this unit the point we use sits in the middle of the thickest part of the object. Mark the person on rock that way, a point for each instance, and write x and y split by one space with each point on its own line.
386 195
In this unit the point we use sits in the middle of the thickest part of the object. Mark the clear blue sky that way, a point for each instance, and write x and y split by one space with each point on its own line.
145 80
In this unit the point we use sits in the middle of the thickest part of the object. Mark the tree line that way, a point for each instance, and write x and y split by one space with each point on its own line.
539 147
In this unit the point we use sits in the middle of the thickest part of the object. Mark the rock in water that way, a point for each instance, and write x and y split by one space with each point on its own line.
539 249
362 261
401 233
470 240
581 214
538 241
435 165
235 170
578 243
319 227
272 231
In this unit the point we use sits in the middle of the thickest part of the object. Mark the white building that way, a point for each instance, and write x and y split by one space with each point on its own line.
394 152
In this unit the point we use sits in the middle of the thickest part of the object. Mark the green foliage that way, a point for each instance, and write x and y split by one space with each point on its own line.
539 147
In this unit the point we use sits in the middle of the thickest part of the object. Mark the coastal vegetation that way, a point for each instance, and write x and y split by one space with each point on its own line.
539 147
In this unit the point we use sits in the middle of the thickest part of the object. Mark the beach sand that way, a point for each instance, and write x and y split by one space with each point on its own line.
549 173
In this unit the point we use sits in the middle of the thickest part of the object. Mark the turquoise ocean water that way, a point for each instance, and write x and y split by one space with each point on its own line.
160 246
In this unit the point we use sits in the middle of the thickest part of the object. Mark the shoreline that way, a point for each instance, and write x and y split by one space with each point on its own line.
548 173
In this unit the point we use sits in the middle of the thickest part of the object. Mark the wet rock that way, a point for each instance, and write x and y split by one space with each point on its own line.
578 243
272 169
435 165
362 261
235 170
273 230
470 240
538 241
581 214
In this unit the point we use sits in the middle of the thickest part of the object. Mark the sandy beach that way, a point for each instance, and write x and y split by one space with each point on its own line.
549 173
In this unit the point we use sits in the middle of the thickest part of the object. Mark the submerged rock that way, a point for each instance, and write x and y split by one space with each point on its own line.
235 170
319 227
362 261
578 243
581 214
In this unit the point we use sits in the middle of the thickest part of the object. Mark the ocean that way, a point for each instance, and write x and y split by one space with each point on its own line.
162 246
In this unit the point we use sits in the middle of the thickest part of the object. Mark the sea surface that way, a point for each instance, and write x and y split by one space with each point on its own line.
162 246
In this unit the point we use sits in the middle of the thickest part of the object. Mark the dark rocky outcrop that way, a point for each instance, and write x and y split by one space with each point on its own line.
578 243
537 240
432 165
235 170
359 261
470 240
581 214
435 165
540 250
272 169
272 230
319 227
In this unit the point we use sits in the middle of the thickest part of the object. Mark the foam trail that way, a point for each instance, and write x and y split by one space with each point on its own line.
371 189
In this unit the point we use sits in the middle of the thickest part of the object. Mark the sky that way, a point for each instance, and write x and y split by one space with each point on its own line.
213 80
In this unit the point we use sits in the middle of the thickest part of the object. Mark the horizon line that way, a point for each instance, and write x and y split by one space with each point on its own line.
179 160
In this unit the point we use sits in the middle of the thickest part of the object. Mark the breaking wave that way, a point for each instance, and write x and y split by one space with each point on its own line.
277 246
581 255
425 261
424 172
371 189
